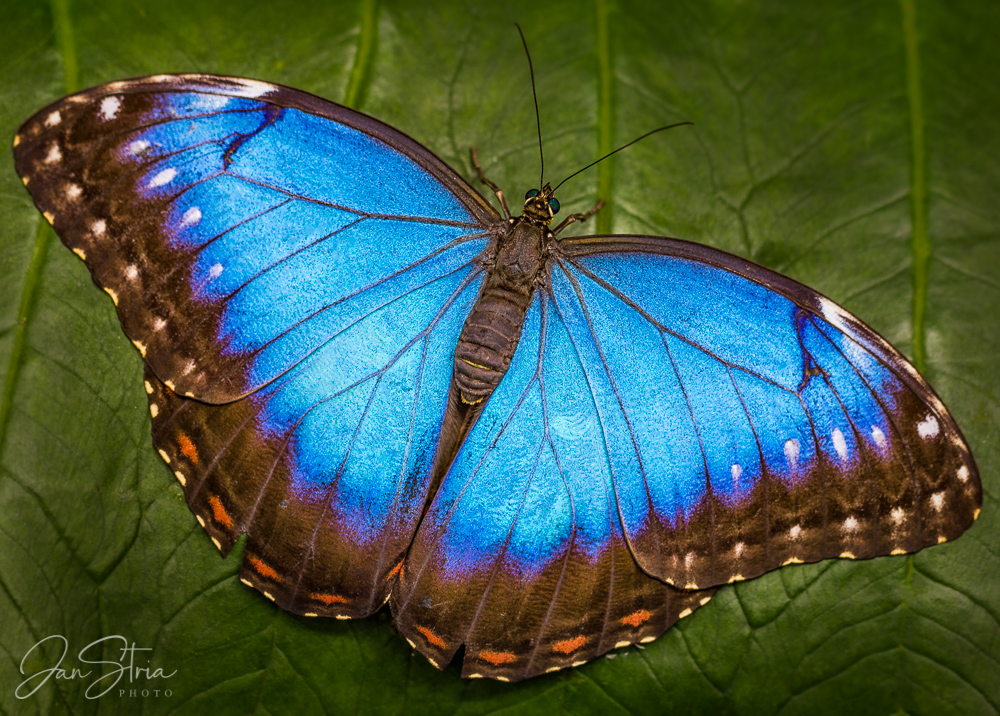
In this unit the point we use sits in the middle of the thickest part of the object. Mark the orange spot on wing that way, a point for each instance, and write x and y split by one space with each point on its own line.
636 618
188 449
568 646
219 513
329 599
432 637
264 570
395 570
497 657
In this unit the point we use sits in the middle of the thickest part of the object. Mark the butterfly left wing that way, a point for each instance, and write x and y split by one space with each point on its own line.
751 422
299 268
521 556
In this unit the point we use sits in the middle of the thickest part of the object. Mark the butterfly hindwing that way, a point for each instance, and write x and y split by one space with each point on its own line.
326 468
521 556
749 421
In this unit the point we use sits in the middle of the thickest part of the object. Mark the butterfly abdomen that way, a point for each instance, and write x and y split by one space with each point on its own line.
492 330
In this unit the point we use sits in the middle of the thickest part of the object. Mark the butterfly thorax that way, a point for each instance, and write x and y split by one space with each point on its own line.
492 330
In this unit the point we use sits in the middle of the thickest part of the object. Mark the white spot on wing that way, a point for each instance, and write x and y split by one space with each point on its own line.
928 427
158 324
109 107
689 560
878 436
98 227
190 366
191 216
139 146
792 451
254 88
795 532
53 119
897 515
73 191
839 443
937 501
215 271
163 177
132 273
736 471
832 312
963 473
54 155
850 525
738 549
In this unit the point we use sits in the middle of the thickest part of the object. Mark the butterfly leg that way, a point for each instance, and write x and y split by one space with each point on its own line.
496 190
578 217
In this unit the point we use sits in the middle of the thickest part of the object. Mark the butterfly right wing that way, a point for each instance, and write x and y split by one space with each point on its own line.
521 556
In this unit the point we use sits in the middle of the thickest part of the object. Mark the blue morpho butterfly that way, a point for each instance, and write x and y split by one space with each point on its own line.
540 449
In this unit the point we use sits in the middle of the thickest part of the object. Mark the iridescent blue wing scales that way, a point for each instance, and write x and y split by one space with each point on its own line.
184 193
325 469
295 275
521 556
752 422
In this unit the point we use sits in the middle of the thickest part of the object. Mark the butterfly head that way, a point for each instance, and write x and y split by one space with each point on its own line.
540 206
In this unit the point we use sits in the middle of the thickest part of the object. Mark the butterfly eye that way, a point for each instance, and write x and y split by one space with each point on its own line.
554 205
531 193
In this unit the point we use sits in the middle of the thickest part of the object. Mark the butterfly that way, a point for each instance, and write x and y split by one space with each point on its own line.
539 448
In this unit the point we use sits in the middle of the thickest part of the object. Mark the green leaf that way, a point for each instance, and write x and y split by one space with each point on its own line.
851 146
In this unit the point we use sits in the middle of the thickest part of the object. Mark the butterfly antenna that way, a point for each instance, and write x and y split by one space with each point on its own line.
624 146
534 94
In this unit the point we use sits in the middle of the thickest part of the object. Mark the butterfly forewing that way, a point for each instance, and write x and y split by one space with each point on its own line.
198 201
749 421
